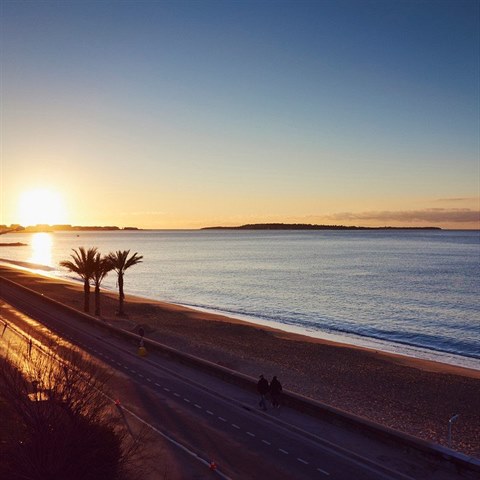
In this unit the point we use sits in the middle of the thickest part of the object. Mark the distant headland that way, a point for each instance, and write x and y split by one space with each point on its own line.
58 228
309 226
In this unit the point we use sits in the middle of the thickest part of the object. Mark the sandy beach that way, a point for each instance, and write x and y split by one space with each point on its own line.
414 396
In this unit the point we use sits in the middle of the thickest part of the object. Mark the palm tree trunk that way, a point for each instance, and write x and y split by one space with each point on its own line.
121 295
86 296
97 300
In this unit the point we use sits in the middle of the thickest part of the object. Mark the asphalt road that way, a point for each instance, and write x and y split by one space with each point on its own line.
195 416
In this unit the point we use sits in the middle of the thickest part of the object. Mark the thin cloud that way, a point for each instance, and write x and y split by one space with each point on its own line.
456 200
454 215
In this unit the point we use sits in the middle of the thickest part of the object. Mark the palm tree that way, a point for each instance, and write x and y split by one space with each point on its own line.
82 264
120 262
101 267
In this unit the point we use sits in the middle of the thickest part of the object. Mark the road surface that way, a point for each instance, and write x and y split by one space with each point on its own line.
204 420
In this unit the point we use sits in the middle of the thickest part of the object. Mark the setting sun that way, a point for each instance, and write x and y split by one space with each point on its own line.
41 206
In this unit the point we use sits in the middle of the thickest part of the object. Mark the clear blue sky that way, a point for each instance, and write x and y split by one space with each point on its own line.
188 113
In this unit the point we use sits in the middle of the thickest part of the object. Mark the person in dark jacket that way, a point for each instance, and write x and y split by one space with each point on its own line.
141 332
275 392
262 387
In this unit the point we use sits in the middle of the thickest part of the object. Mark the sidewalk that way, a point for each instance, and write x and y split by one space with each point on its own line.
381 454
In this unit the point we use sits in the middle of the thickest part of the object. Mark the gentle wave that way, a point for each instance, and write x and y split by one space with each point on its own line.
407 291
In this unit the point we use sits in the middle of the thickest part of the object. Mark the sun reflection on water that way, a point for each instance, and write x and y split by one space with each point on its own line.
41 249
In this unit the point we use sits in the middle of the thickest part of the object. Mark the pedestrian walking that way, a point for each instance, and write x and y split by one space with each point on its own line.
275 392
262 387
141 332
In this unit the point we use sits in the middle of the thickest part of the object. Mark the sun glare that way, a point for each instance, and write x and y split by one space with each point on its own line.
41 206
41 249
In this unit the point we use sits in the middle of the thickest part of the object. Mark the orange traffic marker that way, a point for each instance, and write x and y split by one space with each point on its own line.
213 466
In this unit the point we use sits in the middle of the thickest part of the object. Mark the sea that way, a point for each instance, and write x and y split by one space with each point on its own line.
411 292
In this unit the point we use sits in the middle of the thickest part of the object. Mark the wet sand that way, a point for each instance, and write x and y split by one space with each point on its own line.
411 395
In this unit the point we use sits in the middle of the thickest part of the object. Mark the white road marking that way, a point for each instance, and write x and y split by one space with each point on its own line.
323 471
235 426
222 419
251 434
176 394
197 406
158 385
140 375
209 412
132 370
165 388
149 380
186 400
302 460
266 441
283 451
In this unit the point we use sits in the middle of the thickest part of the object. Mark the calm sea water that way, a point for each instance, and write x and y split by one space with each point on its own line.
412 292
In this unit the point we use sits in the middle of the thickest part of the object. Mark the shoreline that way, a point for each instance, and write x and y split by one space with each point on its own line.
377 345
408 394
349 339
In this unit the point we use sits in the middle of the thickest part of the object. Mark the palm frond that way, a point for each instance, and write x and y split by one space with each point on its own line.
82 262
133 260
101 267
121 262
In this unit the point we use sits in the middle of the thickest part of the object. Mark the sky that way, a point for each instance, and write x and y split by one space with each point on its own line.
184 114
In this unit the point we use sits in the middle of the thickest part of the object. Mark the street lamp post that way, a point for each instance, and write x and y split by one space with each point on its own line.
450 422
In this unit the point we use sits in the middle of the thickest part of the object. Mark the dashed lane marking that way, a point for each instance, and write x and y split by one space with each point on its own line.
301 460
